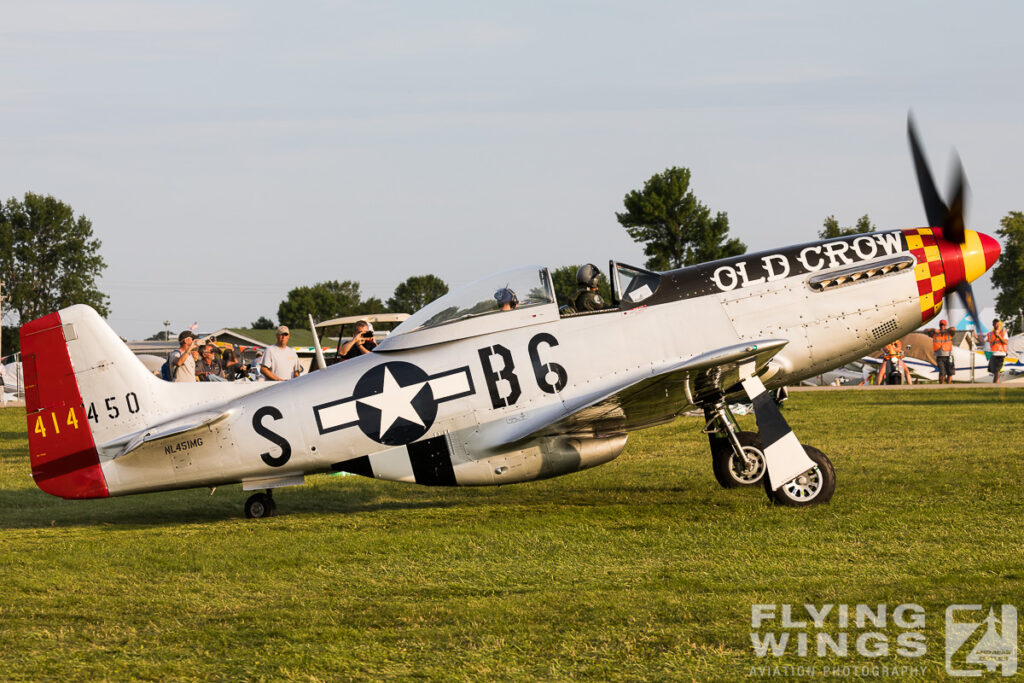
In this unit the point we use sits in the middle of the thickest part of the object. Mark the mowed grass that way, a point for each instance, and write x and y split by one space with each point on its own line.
640 569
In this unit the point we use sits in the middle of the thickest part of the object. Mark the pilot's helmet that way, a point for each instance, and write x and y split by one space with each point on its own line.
588 275
506 296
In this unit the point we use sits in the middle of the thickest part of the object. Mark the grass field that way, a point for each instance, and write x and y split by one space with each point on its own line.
640 569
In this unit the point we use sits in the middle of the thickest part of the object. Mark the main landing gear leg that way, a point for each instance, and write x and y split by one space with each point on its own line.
737 457
796 475
261 505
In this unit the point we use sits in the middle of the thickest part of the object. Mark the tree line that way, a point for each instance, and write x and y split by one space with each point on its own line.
49 258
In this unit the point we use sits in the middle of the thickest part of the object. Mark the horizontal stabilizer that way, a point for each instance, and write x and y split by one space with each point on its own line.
182 425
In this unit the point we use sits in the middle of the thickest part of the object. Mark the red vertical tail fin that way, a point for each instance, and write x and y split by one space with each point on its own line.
61 446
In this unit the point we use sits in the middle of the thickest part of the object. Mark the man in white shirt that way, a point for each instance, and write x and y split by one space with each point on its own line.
180 363
279 361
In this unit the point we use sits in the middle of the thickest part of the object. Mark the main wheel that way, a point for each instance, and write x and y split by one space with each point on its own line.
731 471
260 505
810 488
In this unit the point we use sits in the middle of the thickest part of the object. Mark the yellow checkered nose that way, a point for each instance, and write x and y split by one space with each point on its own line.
942 265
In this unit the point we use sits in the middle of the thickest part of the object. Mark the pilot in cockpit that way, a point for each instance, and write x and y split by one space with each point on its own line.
586 297
506 298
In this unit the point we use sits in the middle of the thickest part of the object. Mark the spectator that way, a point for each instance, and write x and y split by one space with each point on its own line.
279 361
893 369
208 369
362 342
233 368
181 364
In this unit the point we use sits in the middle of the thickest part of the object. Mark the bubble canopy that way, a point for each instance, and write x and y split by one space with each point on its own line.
476 305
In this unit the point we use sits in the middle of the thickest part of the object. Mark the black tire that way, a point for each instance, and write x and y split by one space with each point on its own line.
259 506
811 488
730 471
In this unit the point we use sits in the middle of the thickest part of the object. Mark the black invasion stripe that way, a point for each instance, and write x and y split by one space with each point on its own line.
432 462
770 423
58 467
360 466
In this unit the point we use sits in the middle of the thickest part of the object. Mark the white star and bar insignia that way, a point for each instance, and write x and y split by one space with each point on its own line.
394 403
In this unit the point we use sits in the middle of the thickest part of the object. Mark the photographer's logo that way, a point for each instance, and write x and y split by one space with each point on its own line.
976 643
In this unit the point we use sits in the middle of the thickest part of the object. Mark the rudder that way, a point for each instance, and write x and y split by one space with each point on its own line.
89 398
62 450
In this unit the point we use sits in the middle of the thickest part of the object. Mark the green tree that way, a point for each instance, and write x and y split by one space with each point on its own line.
1008 275
677 230
263 323
324 300
48 259
416 292
564 281
10 341
831 228
371 305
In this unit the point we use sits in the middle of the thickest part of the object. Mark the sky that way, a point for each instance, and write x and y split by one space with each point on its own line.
227 152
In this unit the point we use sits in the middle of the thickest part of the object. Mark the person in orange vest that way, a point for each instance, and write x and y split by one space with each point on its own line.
997 341
892 363
942 347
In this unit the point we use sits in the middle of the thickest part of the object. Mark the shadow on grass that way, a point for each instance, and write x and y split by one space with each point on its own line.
13 435
28 509
33 509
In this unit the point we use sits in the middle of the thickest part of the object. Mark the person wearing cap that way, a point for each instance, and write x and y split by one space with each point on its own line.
362 342
942 347
180 362
280 362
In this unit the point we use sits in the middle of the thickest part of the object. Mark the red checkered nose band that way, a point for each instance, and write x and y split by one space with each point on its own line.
942 265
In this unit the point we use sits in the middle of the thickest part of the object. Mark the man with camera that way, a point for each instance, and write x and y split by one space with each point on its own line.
362 342
180 364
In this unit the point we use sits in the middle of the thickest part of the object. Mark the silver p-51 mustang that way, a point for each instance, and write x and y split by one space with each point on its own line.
465 393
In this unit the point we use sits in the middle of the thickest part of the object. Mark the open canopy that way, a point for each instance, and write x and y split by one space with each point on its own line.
474 309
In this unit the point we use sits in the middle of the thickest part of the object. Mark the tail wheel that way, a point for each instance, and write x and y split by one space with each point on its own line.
810 488
260 505
731 471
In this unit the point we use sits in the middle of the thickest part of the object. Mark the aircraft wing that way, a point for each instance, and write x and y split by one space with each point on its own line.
656 396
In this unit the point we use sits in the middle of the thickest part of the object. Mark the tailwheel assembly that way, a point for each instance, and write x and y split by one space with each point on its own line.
260 505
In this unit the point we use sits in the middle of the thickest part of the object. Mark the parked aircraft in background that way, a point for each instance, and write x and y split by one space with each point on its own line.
465 393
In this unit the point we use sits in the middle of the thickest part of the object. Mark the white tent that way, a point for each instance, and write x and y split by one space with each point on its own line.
14 382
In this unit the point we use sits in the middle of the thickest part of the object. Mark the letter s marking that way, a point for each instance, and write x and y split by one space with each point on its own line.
274 437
